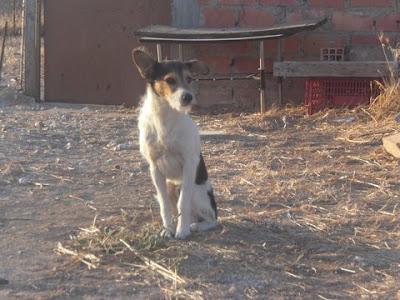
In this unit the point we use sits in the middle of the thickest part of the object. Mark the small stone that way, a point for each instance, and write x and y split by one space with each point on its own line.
232 289
39 124
25 180
391 144
125 146
68 146
4 281
345 120
398 118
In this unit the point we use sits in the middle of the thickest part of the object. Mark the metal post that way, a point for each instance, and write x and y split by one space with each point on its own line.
280 79
262 78
159 52
180 51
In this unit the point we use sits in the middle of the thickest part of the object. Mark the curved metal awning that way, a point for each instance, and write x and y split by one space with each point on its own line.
169 34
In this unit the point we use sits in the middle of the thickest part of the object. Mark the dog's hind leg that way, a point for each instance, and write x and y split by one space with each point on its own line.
205 209
166 209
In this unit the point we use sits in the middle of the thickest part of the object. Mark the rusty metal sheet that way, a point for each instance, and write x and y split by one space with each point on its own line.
88 48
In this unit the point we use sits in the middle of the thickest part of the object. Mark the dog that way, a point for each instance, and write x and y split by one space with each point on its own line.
170 142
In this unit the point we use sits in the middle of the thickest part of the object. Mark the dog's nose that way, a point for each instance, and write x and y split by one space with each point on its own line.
186 98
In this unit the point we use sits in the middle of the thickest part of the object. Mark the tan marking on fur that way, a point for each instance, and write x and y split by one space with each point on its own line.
162 88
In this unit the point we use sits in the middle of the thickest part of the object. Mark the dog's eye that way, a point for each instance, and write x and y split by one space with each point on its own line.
189 79
170 81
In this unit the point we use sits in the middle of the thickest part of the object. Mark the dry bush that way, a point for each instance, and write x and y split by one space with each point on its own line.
387 103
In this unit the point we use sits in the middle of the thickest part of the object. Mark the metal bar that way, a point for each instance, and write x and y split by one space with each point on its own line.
203 40
159 52
280 79
180 51
262 78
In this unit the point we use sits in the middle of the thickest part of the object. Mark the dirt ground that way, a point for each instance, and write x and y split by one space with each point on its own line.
308 207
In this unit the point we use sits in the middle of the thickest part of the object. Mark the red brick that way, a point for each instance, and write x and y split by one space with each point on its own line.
237 2
365 40
389 22
278 2
250 64
246 64
216 63
256 18
314 42
227 48
327 3
293 90
351 22
380 3
219 17
291 47
295 17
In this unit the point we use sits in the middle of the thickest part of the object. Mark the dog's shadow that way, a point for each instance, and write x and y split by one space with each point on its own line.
268 256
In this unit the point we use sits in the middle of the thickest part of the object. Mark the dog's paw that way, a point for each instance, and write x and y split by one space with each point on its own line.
194 227
166 233
182 233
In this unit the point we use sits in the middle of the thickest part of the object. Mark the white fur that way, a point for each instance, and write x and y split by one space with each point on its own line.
170 142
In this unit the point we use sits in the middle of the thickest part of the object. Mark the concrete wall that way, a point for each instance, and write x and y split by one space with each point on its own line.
353 24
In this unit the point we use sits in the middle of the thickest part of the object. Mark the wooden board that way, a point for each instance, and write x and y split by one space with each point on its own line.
366 69
172 34
32 48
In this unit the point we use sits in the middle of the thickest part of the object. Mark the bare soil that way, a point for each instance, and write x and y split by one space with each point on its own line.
308 206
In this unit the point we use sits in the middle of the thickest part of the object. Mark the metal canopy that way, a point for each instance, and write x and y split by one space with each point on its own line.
169 34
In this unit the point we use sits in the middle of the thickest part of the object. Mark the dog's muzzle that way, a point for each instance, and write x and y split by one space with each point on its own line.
186 99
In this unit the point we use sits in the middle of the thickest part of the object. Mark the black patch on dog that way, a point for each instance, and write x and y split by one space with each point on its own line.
212 201
201 173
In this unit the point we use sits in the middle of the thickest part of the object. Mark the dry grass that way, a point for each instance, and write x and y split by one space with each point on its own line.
310 203
387 103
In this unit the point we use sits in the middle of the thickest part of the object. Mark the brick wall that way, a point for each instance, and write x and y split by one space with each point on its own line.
353 24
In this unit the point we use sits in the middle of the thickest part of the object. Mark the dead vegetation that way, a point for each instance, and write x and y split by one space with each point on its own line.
387 103
309 206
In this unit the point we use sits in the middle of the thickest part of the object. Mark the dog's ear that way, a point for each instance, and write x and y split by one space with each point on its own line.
144 62
197 67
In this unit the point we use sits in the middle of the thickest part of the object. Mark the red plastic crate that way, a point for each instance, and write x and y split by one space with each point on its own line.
333 92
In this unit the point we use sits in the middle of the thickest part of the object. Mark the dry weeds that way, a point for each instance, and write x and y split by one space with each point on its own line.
308 206
387 103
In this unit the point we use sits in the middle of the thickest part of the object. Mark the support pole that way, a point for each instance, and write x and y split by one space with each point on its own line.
32 43
280 79
159 52
262 78
180 52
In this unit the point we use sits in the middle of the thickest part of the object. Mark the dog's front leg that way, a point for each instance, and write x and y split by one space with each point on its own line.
185 201
166 211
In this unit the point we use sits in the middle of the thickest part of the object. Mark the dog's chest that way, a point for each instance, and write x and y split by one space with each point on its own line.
162 149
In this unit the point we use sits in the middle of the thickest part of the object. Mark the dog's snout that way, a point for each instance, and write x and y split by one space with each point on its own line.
186 98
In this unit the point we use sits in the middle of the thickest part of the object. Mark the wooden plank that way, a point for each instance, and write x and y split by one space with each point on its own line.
3 47
32 49
166 33
368 69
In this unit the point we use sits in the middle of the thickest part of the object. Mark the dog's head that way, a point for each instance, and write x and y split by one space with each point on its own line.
170 80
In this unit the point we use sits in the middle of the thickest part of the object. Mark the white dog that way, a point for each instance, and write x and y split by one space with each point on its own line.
170 142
